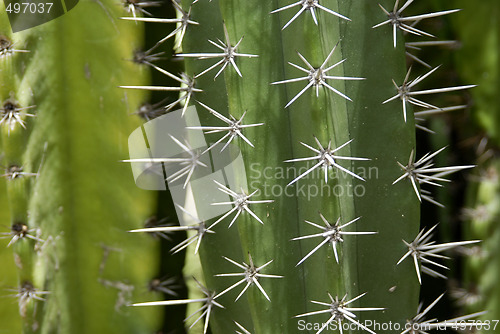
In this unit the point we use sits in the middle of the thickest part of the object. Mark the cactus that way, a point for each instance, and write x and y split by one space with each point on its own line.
326 118
348 123
477 291
9 269
322 226
70 199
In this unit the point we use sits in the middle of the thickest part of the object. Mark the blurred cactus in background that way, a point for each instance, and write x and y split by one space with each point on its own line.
69 198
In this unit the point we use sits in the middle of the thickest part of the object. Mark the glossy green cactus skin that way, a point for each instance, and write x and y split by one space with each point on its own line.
379 133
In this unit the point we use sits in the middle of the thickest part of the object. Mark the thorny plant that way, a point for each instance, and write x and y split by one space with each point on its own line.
26 293
13 172
228 55
317 77
150 111
241 202
155 222
418 324
423 172
340 312
241 328
183 20
206 309
134 6
326 159
467 296
422 249
146 57
311 6
188 164
416 46
420 115
7 47
407 95
234 128
251 275
20 231
187 88
331 234
164 285
399 22
199 227
12 114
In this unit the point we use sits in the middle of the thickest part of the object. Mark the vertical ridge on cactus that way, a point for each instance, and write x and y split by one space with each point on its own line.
9 312
326 117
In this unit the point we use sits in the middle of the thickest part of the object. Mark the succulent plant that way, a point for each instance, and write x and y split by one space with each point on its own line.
477 290
293 123
69 198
